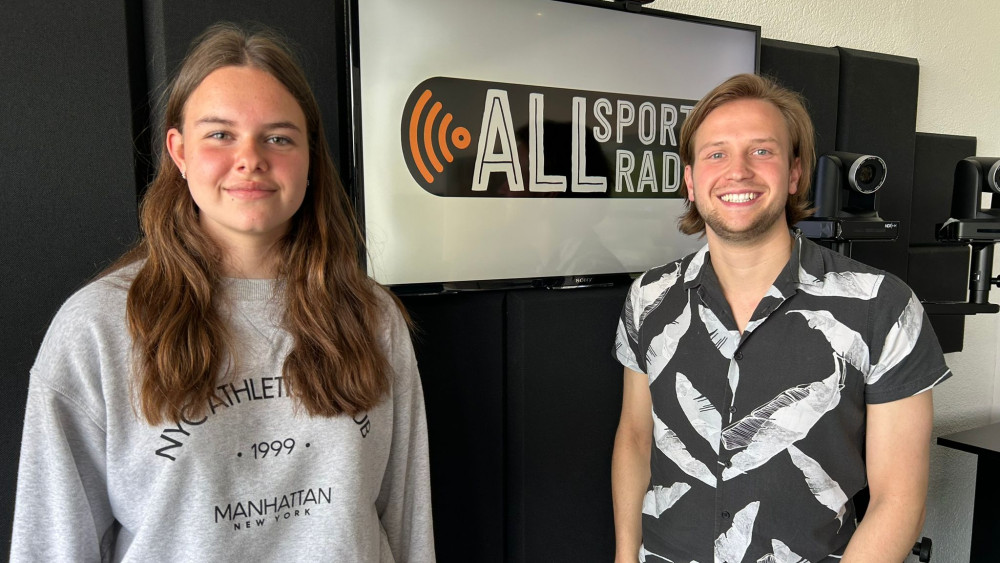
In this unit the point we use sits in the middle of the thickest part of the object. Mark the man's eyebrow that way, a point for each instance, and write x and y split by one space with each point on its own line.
723 142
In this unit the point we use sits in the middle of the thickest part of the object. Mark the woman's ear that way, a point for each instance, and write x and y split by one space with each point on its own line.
175 146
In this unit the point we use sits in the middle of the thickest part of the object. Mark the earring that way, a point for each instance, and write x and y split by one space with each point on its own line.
307 183
183 175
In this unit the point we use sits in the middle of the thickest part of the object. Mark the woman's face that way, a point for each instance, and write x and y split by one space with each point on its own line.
244 149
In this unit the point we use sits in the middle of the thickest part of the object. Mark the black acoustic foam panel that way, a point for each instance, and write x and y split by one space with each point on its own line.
933 178
459 342
813 72
564 391
877 115
313 28
67 206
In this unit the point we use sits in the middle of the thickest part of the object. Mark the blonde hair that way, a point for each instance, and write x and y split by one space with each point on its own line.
800 132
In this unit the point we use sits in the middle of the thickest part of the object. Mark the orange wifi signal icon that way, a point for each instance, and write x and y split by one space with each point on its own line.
460 137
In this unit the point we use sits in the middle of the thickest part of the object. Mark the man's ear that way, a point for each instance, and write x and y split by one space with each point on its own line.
175 146
689 182
793 176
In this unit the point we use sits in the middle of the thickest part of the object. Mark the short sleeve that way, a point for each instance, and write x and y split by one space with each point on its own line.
905 354
627 337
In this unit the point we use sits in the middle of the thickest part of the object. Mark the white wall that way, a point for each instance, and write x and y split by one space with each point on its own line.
956 45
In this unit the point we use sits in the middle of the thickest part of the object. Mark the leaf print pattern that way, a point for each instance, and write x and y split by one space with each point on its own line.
628 319
781 554
664 345
725 340
652 294
659 499
845 342
697 262
731 546
672 447
623 349
855 285
823 487
900 341
644 553
704 417
780 422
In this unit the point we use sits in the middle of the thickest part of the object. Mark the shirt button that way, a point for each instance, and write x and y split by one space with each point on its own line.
729 463
732 409
738 356
725 515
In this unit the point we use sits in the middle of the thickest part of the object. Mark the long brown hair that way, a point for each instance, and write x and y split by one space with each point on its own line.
332 309
800 132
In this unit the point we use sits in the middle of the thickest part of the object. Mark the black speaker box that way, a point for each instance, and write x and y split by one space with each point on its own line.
877 115
459 343
564 392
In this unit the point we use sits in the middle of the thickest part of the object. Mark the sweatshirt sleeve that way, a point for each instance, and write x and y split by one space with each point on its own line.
404 501
62 511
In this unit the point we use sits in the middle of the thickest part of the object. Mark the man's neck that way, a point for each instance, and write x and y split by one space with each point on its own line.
747 270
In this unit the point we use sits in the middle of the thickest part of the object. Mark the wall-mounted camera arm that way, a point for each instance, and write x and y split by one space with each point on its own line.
973 224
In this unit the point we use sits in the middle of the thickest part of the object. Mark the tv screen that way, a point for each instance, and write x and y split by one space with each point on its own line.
526 140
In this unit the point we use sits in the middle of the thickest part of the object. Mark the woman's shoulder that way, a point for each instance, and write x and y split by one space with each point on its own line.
106 293
87 342
96 310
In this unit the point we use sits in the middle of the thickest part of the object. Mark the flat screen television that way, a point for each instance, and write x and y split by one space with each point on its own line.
524 142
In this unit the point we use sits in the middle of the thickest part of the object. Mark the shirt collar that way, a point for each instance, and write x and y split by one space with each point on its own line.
804 253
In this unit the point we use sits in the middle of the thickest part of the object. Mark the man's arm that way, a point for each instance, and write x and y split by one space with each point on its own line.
897 457
630 465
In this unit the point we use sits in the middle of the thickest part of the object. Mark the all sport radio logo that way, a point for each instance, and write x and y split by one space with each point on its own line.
468 138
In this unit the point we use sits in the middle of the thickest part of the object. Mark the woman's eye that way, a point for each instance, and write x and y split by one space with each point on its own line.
279 140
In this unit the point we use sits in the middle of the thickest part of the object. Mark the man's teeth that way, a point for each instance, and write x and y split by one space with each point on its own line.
739 198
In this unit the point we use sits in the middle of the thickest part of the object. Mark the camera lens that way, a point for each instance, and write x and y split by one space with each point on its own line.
867 174
993 178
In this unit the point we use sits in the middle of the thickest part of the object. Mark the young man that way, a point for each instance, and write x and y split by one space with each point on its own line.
774 377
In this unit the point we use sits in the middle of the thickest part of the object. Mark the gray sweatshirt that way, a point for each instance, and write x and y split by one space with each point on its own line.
255 479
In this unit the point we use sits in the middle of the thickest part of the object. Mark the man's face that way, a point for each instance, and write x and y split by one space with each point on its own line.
740 177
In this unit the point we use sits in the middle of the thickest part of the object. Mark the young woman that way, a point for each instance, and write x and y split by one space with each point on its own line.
235 388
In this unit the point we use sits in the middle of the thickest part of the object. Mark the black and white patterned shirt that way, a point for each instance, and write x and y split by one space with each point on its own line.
759 438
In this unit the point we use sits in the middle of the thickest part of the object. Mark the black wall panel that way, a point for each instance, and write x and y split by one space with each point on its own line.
67 203
813 72
459 343
564 392
877 115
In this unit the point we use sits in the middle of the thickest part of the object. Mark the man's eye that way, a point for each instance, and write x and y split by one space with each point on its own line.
218 135
761 152
716 155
